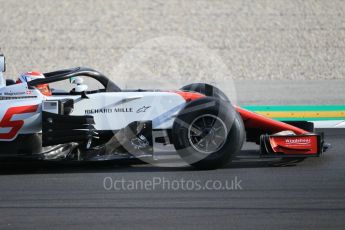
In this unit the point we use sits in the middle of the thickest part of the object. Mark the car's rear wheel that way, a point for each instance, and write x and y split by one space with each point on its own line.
207 132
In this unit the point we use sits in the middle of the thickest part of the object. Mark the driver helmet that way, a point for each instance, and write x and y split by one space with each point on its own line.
29 76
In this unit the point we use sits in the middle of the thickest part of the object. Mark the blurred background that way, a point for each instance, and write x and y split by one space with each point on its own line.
255 39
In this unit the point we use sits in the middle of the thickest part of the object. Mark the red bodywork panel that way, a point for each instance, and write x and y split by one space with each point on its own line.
301 144
254 120
251 119
189 96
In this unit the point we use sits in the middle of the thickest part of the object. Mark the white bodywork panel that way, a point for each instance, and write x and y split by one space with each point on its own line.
113 111
20 108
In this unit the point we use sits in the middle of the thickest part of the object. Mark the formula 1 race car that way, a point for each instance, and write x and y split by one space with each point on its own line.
198 121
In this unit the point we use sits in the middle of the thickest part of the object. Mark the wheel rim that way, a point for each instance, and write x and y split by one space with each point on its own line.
207 133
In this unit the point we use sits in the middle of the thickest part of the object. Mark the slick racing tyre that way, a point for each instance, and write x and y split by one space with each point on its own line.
207 132
207 90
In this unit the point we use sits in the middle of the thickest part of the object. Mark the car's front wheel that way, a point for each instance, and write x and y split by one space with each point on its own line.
207 132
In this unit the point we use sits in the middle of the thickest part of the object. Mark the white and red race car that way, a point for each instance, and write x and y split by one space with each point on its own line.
198 121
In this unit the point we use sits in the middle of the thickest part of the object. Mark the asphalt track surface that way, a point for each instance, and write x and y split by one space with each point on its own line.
309 195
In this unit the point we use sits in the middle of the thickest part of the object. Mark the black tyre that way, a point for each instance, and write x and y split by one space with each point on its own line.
207 90
207 132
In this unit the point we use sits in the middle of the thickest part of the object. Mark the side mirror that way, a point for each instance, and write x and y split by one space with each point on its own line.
2 63
2 70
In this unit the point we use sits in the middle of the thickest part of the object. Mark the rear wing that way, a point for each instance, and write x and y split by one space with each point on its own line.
323 116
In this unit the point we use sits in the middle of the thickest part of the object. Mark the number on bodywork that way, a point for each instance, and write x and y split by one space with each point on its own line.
15 126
